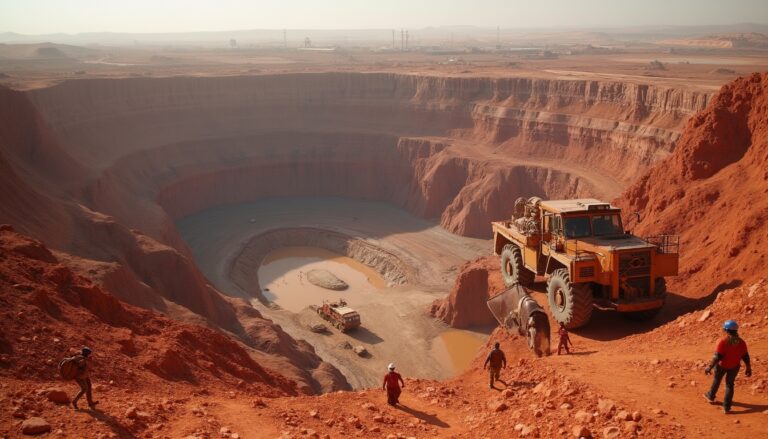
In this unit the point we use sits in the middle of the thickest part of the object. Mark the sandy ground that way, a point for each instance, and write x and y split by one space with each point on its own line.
390 316
685 68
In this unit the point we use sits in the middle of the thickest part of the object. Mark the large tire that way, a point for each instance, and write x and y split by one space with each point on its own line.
512 269
569 303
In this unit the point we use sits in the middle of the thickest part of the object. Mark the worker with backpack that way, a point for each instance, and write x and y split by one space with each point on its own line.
76 368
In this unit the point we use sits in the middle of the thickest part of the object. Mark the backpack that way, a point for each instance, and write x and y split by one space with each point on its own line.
68 368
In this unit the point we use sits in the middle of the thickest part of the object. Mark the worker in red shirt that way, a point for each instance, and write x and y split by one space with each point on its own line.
729 353
393 382
564 339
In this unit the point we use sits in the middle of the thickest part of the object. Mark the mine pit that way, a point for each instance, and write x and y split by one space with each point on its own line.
284 278
396 265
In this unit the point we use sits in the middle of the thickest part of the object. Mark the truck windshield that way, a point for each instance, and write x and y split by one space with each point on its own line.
606 225
577 227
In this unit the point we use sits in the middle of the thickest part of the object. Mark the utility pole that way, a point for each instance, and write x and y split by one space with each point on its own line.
406 40
498 40
393 39
285 38
402 40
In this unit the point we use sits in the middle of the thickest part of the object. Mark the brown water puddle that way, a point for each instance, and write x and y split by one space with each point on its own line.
282 277
459 347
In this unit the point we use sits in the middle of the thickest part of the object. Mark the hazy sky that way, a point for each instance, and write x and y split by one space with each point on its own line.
72 16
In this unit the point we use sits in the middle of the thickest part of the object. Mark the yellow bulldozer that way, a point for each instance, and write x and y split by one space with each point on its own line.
587 258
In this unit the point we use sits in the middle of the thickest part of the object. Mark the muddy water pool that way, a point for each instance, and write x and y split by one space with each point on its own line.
458 347
283 278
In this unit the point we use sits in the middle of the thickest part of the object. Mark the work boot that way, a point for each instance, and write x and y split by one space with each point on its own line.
709 400
726 410
92 404
74 405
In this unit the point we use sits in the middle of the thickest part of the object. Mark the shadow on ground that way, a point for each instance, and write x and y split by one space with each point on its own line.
426 417
114 425
365 335
608 325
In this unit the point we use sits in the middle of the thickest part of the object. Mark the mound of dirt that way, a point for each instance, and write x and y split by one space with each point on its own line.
465 305
744 304
326 279
713 191
49 311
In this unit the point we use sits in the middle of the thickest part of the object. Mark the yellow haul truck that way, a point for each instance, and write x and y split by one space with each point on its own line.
587 258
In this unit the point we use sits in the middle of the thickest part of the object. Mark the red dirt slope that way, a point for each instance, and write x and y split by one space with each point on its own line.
48 309
713 191
465 306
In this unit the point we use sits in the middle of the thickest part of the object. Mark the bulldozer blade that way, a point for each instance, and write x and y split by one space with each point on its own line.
503 306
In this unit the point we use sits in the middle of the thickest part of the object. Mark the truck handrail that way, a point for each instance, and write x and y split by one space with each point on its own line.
665 244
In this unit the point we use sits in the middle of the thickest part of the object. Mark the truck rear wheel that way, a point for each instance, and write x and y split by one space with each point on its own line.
569 303
512 269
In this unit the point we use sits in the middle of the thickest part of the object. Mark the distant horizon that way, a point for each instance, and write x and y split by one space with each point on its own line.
75 17
388 29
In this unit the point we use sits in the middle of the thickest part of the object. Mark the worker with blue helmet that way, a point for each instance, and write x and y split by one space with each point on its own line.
730 351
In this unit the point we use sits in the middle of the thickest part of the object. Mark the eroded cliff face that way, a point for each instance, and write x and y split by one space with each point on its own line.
457 149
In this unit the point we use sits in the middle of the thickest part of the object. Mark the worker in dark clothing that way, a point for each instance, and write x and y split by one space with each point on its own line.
494 363
564 339
83 379
393 382
731 350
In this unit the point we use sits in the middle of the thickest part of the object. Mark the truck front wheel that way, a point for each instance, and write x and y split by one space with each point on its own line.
512 269
569 303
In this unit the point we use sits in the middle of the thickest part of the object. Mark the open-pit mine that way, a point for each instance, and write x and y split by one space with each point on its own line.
189 220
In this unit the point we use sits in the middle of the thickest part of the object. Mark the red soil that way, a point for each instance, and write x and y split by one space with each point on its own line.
158 377
713 191
465 306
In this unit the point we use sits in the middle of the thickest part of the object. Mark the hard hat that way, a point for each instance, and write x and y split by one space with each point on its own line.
391 366
730 325
86 351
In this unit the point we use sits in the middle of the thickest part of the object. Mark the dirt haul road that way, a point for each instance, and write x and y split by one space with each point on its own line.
389 317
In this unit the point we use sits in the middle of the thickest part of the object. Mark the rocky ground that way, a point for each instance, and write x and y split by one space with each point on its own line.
149 384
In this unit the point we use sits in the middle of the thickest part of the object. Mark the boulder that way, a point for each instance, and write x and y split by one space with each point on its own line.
584 417
606 407
57 395
132 412
326 279
497 406
631 427
35 426
624 416
705 315
580 431
611 432
529 431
